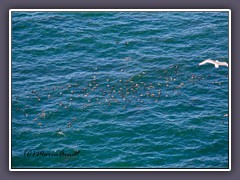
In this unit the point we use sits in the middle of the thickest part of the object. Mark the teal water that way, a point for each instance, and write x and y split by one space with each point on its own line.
123 88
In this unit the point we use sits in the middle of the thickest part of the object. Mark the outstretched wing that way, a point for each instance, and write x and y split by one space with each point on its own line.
207 61
223 64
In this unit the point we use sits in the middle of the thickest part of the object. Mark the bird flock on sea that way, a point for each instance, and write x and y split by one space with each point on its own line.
109 92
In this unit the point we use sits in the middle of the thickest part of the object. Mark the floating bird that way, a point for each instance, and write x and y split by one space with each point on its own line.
215 63
60 132
127 58
69 124
225 115
43 114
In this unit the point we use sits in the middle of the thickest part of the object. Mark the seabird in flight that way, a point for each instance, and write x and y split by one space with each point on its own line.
215 63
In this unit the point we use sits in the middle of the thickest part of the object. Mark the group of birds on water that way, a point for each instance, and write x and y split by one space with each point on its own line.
133 91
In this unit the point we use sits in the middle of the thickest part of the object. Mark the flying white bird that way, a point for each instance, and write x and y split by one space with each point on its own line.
216 63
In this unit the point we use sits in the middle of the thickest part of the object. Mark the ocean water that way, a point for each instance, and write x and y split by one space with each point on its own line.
122 88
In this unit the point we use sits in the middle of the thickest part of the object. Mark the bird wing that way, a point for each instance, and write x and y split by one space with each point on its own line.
207 61
223 64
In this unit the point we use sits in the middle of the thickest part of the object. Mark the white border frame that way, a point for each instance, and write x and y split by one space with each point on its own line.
116 10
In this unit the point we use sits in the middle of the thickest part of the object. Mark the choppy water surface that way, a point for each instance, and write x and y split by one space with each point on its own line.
124 88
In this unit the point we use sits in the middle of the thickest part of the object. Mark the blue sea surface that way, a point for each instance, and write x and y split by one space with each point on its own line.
122 88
